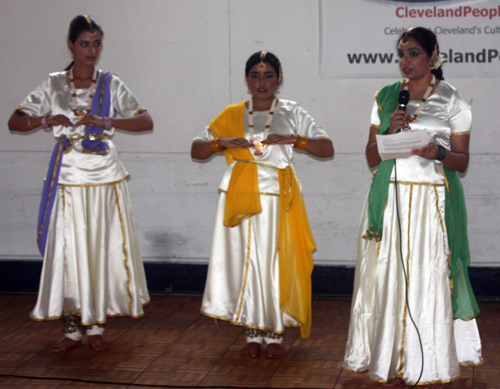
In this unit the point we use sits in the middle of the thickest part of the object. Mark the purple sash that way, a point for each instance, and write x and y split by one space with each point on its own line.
100 103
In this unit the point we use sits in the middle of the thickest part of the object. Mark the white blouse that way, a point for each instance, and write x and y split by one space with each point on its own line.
53 97
289 118
444 114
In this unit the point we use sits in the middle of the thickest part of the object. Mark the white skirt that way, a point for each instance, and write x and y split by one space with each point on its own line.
243 275
382 338
92 265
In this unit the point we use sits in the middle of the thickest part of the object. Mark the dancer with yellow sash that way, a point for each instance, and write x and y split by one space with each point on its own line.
260 268
92 266
413 310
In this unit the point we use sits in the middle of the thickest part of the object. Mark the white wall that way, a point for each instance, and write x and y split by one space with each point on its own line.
185 59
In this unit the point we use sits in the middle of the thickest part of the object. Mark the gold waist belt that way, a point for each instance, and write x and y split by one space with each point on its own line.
88 137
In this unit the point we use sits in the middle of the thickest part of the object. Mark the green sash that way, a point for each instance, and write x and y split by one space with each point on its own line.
464 302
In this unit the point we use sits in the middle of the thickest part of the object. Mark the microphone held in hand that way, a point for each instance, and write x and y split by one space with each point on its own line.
403 99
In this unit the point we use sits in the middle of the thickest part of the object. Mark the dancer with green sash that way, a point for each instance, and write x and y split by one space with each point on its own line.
413 251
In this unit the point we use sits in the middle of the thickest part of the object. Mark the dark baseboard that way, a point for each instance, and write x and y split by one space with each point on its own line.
171 278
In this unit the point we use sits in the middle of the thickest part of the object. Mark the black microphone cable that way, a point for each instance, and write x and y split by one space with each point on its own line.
403 99
405 274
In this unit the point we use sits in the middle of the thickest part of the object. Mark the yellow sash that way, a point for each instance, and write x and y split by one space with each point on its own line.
296 243
295 247
243 198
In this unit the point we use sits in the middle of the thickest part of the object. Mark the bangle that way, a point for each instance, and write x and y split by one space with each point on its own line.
303 141
441 153
214 144
107 123
29 122
44 121
294 140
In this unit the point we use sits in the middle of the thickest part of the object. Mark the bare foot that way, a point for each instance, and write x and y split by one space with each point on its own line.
64 345
396 382
275 351
251 350
98 343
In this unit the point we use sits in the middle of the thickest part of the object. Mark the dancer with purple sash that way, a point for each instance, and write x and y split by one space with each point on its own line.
92 265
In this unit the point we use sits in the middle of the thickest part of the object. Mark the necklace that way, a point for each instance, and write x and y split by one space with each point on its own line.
259 146
412 118
82 112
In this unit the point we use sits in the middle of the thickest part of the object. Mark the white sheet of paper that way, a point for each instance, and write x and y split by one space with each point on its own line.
400 145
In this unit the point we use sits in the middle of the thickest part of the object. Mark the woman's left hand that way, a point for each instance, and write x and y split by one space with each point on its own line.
431 151
277 139
92 119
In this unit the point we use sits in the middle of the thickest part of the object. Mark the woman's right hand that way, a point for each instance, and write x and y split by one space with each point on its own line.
241 143
398 120
59 120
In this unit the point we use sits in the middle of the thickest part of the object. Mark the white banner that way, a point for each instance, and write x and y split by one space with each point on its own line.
358 37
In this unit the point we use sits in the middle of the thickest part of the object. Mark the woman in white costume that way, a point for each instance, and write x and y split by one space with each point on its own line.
92 265
261 262
413 251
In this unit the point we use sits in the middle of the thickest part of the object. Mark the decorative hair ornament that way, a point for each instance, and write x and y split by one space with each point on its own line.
405 39
263 54
437 61
91 26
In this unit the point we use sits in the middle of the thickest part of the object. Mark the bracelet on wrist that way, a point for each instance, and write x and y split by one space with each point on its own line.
441 154
44 121
107 123
303 141
214 144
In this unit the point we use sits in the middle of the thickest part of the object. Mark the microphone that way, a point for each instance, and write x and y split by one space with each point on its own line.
403 99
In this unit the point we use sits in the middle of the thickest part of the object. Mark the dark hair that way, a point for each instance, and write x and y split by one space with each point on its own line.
270 58
81 24
428 40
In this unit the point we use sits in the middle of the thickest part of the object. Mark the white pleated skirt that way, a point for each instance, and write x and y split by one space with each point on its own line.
92 265
243 274
382 338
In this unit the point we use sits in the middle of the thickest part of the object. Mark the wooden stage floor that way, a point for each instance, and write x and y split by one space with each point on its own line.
174 346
